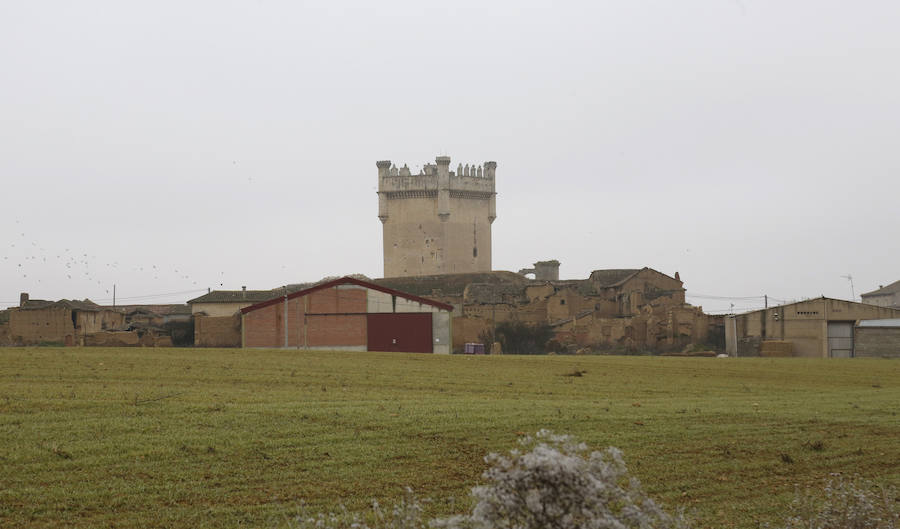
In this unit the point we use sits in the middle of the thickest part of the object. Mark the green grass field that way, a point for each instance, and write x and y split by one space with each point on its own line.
222 438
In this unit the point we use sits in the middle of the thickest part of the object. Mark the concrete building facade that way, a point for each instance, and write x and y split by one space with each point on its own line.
437 221
885 296
816 328
348 314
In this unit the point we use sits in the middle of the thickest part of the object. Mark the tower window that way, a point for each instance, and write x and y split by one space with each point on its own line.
474 251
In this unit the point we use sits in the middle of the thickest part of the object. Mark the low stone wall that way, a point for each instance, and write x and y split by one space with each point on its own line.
775 348
126 339
112 339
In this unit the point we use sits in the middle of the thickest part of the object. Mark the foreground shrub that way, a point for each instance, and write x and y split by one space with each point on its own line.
551 483
556 483
846 504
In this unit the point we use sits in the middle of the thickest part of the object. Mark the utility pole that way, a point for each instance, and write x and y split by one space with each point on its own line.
766 296
114 295
285 318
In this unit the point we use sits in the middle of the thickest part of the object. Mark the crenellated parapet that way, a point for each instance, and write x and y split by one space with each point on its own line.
468 177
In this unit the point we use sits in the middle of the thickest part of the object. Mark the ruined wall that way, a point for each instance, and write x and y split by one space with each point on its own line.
113 339
436 222
88 322
49 325
5 335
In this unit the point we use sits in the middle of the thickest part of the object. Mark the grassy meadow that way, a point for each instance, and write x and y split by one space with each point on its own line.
221 437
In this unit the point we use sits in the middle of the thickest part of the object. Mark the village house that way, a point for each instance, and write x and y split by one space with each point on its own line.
216 315
63 322
885 296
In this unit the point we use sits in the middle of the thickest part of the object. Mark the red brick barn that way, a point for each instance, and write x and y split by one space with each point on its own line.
348 314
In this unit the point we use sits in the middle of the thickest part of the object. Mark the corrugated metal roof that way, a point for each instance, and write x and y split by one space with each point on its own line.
893 322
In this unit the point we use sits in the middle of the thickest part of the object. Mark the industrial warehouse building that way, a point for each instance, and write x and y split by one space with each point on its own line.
348 314
821 327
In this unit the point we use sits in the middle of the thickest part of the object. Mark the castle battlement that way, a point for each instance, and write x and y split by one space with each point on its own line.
441 207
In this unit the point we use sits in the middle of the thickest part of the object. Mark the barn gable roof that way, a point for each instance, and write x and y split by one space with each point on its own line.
347 281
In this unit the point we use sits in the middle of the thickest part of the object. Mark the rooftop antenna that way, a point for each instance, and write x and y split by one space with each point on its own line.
849 278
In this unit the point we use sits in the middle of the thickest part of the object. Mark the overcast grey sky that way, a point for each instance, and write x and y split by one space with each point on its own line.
750 145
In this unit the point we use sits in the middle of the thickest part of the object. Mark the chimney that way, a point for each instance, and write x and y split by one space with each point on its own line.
244 292
23 299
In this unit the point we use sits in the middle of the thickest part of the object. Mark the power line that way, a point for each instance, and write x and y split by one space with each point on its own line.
707 296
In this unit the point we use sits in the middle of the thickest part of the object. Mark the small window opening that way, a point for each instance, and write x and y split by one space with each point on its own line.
562 302
474 251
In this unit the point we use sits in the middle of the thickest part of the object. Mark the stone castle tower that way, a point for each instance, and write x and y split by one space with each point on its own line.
437 221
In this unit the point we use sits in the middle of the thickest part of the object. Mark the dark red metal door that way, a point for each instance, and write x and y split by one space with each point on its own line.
406 332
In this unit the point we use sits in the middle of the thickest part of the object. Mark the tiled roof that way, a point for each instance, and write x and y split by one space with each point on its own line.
490 293
72 304
608 278
450 284
162 310
893 288
236 296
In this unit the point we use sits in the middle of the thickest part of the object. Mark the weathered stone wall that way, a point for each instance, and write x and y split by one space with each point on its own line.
88 322
49 325
5 336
